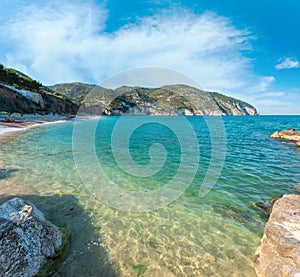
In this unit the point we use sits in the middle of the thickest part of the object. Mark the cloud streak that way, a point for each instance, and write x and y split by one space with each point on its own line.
288 63
59 43
262 83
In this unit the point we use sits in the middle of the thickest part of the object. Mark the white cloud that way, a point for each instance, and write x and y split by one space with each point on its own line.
271 94
270 102
288 63
67 42
262 84
278 102
271 106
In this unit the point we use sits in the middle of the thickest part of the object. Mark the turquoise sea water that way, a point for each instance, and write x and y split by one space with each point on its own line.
213 235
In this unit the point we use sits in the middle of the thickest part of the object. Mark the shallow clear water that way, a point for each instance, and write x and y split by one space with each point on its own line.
214 235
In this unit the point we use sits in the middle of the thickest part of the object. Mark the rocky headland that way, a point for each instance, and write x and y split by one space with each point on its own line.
166 100
279 252
26 239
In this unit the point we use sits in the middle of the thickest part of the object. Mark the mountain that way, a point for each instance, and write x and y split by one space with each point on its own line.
19 93
166 100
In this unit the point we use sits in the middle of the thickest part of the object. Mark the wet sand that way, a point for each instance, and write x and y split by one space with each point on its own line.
8 132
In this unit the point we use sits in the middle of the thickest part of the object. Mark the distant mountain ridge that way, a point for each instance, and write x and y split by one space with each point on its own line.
165 100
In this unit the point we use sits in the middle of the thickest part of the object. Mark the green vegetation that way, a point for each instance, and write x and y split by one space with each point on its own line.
76 92
170 98
14 78
167 99
12 101
139 269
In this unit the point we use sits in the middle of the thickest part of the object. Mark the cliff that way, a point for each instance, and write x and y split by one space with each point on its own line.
279 253
19 93
28 102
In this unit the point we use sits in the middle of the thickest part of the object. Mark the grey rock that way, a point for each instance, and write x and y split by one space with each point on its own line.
279 252
26 239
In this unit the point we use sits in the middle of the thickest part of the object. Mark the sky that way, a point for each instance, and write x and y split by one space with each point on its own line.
245 49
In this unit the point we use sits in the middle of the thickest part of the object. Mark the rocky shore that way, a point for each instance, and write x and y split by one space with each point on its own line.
289 135
279 252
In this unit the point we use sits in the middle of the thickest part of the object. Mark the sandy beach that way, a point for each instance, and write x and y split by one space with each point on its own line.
9 130
25 122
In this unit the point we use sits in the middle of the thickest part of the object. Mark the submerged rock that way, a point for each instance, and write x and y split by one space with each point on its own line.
290 134
26 239
265 205
279 253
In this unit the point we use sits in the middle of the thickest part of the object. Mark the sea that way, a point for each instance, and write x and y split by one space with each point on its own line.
153 196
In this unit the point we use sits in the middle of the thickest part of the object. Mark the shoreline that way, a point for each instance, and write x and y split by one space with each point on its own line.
9 131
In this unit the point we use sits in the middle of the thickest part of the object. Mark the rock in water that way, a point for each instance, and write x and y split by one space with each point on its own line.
279 253
26 239
290 134
265 205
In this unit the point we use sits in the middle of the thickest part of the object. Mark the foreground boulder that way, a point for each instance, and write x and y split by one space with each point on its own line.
26 239
279 253
290 134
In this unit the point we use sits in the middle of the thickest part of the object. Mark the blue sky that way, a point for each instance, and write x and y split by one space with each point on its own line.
244 49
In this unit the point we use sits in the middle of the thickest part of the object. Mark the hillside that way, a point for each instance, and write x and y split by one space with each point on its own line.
74 91
17 79
21 94
166 100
